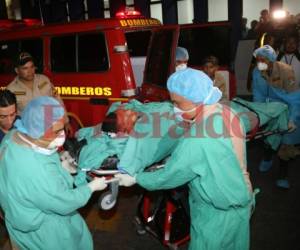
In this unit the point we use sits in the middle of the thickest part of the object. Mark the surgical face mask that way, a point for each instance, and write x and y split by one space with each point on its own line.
262 66
38 149
58 141
179 112
181 67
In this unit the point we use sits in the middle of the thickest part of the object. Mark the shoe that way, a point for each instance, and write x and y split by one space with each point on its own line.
265 166
283 183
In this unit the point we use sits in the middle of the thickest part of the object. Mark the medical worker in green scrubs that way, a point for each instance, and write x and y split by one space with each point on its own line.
36 193
212 162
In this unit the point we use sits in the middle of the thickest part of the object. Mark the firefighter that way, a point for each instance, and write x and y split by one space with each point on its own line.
28 85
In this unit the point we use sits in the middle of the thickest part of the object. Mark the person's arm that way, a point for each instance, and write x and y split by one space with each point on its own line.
220 82
50 193
176 172
257 87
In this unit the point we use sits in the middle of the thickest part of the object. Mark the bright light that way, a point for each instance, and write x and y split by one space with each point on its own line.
128 12
279 14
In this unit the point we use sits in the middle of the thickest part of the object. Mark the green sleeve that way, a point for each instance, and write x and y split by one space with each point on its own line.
176 172
51 193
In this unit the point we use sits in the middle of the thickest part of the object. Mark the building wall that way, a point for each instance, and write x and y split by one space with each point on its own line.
292 6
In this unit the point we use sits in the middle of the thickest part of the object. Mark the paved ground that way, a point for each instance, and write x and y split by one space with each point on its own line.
275 224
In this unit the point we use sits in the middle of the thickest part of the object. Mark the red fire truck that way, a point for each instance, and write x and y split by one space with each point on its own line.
90 63
96 62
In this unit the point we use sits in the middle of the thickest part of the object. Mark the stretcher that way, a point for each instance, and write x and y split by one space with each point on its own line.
70 154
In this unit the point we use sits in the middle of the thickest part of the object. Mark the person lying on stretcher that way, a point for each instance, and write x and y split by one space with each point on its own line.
142 134
116 125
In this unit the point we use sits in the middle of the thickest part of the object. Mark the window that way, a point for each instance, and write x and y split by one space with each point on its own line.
63 54
292 6
217 10
138 42
9 50
92 54
158 68
129 2
185 11
35 48
79 53
252 9
156 11
204 41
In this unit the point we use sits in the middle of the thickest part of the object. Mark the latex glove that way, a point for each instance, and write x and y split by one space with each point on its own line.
126 180
291 126
68 162
97 184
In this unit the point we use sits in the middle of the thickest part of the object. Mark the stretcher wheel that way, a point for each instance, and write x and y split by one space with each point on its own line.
105 201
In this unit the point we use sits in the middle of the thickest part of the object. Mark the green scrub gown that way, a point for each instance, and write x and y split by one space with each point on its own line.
220 193
39 201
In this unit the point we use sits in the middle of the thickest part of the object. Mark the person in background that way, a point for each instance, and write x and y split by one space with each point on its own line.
269 72
244 28
36 192
291 55
275 81
270 39
264 25
252 34
210 67
266 39
220 192
28 85
8 111
181 57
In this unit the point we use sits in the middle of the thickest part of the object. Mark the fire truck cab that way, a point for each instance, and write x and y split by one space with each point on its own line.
90 63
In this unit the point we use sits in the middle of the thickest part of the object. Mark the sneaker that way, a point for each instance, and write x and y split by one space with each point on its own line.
265 166
283 183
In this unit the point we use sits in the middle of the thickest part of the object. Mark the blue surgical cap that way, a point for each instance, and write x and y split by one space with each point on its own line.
182 54
38 116
194 85
266 51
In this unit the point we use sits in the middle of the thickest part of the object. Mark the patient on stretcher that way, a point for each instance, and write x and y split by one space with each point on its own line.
116 125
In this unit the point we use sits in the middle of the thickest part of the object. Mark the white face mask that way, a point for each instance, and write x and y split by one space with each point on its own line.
181 67
262 66
179 112
58 141
38 149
